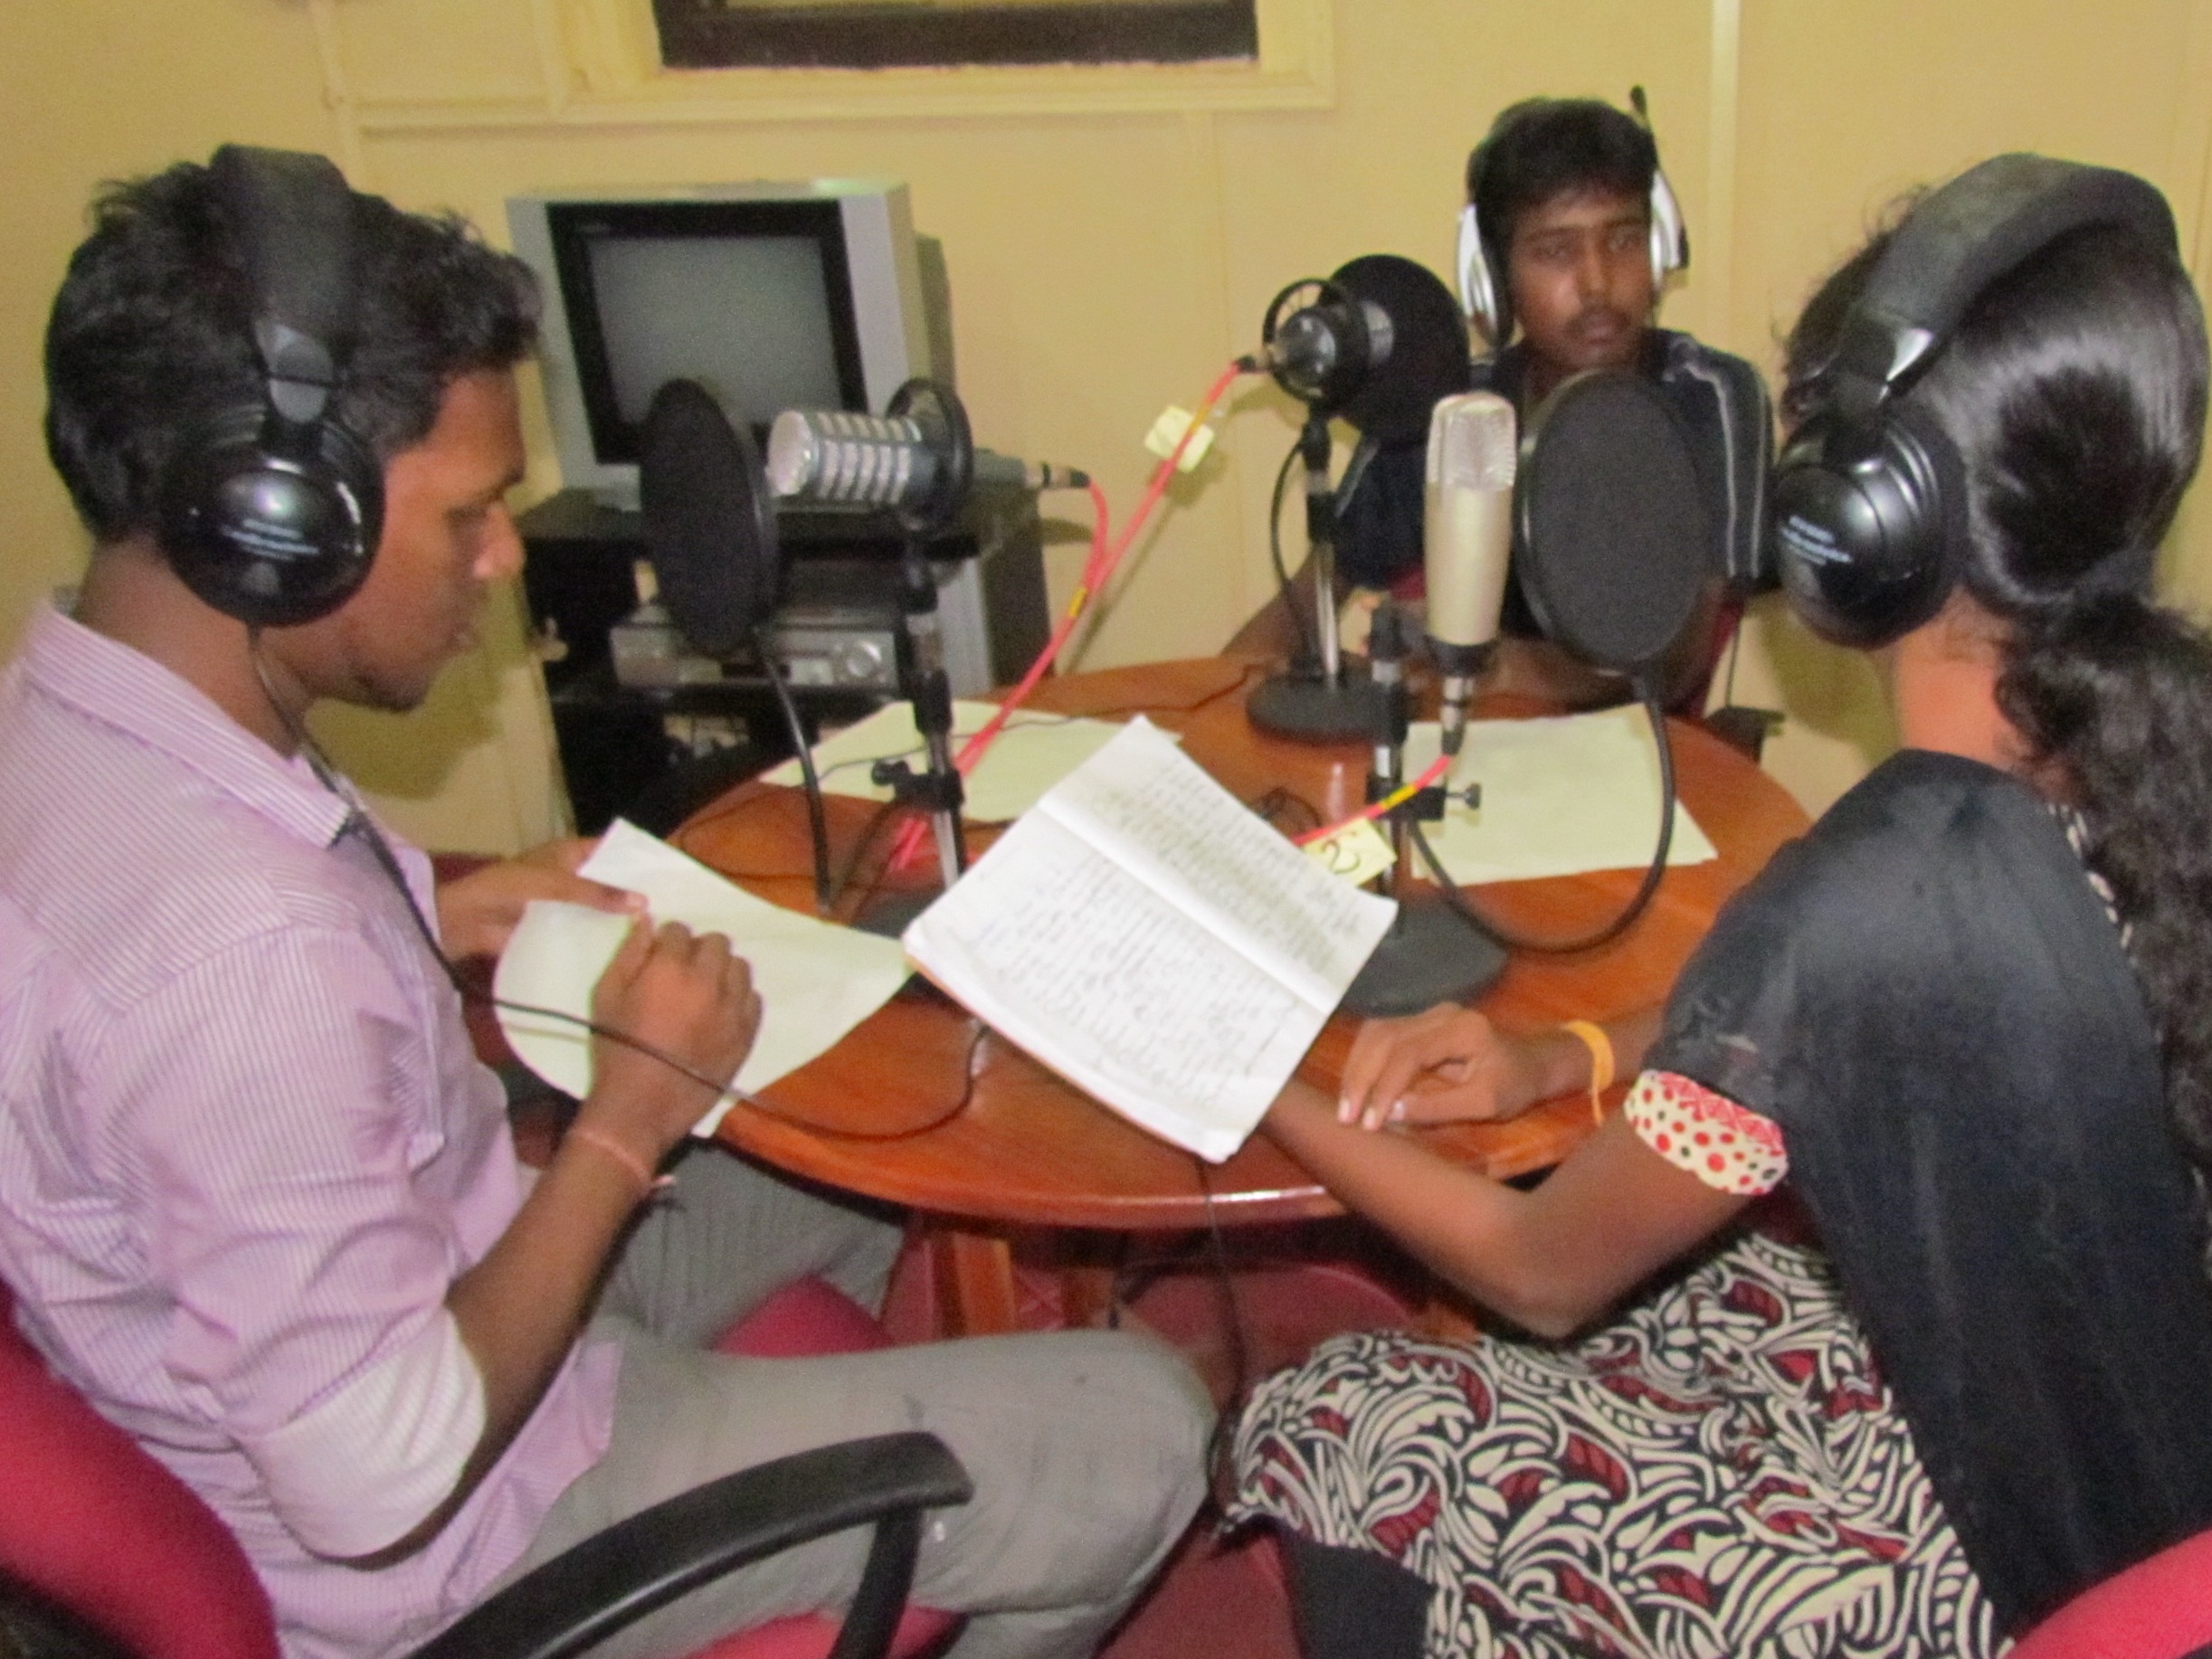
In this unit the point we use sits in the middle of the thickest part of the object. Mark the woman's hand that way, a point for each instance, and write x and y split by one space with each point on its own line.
1450 1065
477 912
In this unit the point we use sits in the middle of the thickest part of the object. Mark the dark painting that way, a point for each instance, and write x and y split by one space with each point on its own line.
873 35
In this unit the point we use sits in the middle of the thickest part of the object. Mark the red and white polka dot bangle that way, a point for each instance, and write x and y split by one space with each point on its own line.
1728 1147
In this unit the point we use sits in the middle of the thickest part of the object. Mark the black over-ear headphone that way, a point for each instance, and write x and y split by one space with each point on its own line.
270 510
1868 519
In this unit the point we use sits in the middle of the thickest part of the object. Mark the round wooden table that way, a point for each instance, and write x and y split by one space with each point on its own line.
920 1106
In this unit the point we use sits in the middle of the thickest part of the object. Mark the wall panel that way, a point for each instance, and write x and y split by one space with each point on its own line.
1111 240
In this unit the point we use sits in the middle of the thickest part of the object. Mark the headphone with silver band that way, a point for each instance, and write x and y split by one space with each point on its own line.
1483 294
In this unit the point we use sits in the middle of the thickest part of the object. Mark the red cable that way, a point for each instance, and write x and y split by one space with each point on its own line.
1437 769
1097 571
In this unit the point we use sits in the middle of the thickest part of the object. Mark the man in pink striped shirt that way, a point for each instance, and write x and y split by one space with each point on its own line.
257 1199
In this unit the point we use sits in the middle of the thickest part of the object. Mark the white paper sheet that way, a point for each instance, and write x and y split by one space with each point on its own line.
1035 751
816 981
1560 796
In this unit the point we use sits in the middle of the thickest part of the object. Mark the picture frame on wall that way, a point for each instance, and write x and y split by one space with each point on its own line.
873 35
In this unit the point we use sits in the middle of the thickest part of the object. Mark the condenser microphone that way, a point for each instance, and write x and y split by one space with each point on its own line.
883 461
1466 537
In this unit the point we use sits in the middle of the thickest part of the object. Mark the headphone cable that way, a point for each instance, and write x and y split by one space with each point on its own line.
360 822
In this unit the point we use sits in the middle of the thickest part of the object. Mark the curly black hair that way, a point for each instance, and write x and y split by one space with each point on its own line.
151 335
2074 391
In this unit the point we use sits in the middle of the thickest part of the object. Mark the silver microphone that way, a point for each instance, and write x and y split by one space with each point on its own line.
1466 540
881 460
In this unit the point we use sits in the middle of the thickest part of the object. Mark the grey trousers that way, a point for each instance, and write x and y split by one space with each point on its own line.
1085 1447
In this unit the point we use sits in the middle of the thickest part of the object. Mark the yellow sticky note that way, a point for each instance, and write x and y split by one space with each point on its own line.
1167 433
1358 851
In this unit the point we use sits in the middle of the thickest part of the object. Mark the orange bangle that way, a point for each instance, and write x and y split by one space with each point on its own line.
648 1182
1601 1046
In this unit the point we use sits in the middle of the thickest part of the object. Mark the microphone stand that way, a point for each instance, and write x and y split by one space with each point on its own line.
1332 709
1431 953
937 788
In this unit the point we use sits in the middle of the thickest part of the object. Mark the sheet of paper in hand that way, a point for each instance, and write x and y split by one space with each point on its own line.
1150 939
816 981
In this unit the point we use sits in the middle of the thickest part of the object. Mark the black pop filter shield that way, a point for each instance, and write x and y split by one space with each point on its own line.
1428 347
1611 527
710 525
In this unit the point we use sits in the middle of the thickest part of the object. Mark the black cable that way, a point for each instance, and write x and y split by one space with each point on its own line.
1036 720
357 819
1309 648
817 820
1735 647
1219 1443
1466 911
977 1031
885 811
1241 678
381 851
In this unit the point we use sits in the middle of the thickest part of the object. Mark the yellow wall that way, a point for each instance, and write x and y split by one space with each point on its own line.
1111 239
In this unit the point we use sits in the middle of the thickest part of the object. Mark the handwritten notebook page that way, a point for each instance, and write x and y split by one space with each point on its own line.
1154 943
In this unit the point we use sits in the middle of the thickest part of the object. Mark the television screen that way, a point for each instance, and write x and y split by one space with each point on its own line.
775 296
750 317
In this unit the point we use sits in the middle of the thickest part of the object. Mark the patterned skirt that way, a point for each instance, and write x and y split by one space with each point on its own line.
1720 1473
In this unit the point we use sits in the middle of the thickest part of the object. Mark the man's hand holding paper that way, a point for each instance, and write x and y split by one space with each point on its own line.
814 981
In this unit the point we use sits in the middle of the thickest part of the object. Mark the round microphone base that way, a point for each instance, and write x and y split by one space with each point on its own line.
1313 711
887 913
1430 955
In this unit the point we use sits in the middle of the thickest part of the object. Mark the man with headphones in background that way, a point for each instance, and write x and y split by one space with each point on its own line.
258 1202
1568 237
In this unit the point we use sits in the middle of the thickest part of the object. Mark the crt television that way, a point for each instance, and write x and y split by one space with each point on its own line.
810 295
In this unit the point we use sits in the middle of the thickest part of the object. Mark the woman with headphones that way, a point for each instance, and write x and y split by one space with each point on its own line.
1963 1017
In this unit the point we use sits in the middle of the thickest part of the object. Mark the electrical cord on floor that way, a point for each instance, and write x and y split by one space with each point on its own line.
1219 1447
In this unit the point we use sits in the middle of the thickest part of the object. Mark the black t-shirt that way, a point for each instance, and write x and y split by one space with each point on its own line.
1928 997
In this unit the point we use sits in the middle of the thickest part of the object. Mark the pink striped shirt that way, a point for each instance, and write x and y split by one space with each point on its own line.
245 1148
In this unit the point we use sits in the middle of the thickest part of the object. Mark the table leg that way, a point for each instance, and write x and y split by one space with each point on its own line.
1087 1295
975 1281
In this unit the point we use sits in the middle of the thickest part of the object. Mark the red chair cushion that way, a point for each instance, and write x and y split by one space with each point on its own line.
808 1316
2160 1608
94 1524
